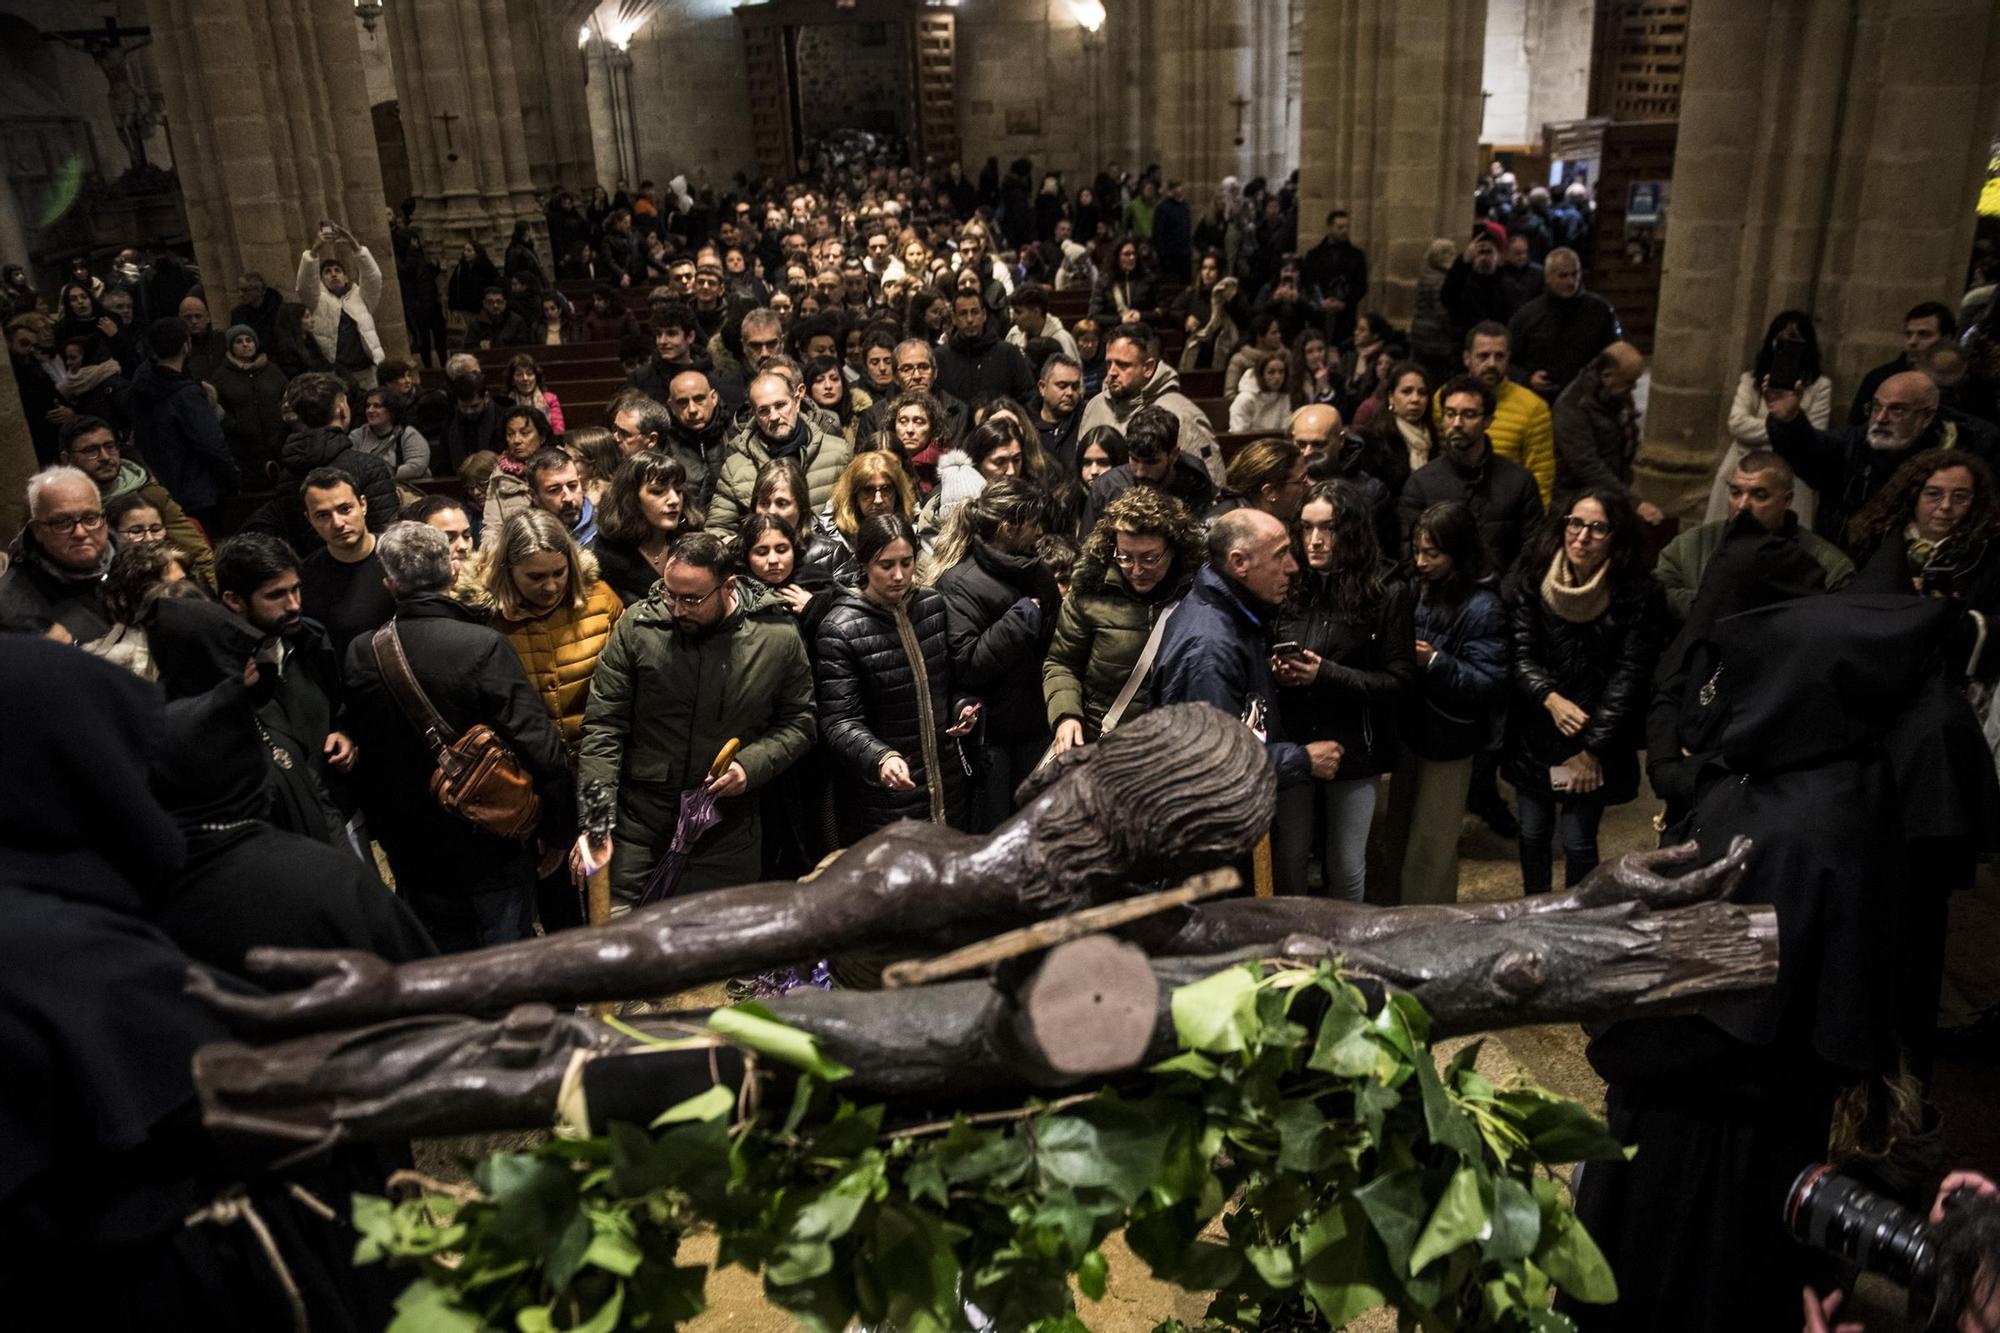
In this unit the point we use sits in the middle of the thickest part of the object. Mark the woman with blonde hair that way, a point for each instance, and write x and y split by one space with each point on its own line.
544 595
874 483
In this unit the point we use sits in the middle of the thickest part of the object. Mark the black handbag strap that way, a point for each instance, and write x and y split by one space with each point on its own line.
410 697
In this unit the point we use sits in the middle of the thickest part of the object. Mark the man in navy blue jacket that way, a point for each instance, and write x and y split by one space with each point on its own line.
175 428
1217 647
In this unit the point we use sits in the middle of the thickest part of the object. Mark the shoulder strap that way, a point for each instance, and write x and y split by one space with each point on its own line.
1130 690
409 696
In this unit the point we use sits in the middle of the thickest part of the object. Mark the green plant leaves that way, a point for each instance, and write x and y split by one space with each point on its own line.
1356 1173
755 1028
1459 1219
1217 1014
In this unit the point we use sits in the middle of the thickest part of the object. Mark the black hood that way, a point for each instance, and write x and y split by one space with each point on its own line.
155 384
91 727
320 447
196 644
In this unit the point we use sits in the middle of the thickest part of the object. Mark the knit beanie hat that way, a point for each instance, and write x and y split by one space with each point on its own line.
241 331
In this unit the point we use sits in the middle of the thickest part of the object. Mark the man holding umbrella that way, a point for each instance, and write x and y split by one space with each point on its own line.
700 663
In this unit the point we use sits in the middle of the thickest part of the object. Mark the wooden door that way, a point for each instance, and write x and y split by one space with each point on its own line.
936 83
767 63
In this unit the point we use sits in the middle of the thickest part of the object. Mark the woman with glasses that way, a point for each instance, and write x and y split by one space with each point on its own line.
1345 656
888 710
1586 620
873 484
134 520
1932 530
1137 564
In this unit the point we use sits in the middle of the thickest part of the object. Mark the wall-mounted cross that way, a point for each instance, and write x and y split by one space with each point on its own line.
1241 103
450 151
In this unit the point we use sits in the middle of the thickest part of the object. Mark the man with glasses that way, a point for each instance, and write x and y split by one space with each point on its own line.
1847 466
91 446
778 429
686 671
916 372
1502 494
57 574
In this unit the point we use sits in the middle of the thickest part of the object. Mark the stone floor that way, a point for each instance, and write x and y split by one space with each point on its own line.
1551 1055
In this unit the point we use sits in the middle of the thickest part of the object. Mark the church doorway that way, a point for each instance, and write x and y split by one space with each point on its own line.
875 77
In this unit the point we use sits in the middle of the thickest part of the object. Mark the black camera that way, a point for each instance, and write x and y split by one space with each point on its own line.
1874 1234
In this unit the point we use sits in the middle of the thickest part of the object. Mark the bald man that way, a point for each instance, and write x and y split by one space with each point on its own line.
1597 432
1849 465
205 344
1555 335
1217 648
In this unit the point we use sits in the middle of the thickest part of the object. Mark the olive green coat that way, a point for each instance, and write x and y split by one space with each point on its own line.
662 705
1098 639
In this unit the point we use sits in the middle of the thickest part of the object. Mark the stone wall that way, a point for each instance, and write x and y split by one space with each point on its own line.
1537 67
688 88
1025 83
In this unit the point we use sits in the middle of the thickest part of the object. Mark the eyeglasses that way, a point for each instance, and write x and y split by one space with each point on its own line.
89 522
1126 560
688 601
1598 530
142 532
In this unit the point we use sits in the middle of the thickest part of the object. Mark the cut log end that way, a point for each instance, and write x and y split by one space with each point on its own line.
1093 1005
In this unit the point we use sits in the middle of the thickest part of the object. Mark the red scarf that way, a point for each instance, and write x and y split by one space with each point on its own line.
923 465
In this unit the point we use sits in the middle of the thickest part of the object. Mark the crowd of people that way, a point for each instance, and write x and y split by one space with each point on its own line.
871 533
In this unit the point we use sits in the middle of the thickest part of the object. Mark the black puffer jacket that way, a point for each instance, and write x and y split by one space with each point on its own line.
868 709
1603 666
329 446
1366 668
1502 495
999 636
976 369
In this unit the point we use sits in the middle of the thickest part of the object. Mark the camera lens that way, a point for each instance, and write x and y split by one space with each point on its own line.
1838 1217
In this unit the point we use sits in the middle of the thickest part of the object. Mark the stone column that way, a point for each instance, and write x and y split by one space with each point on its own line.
17 458
613 132
456 80
1389 130
271 128
555 117
1828 159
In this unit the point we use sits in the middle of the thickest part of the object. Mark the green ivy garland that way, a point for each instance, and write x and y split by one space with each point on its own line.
1346 1170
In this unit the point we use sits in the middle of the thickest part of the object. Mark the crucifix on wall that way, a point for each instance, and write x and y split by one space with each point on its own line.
136 108
1241 103
450 150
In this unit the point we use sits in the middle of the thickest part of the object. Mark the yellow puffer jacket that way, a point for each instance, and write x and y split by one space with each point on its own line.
558 651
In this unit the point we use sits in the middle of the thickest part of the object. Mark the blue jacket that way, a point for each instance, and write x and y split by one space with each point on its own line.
177 433
1453 710
1217 651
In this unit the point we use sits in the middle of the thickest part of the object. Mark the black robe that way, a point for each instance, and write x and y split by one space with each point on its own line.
105 1155
1727 1107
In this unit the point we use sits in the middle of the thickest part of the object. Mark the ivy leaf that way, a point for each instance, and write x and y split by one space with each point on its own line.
756 1028
1104 1144
1303 1142
1188 1062
1559 1130
565 1257
1346 1048
1334 1248
1447 1124
1217 1013
534 1201
1395 1206
374 1217
1091 1275
1275 1264
612 1245
1517 1221
717 1101
427 1307
1458 1219
912 1259
1574 1263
